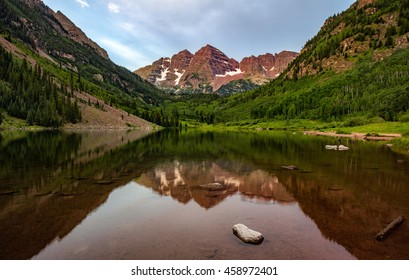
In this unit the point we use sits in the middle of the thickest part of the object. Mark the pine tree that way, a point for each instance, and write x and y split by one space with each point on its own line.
389 42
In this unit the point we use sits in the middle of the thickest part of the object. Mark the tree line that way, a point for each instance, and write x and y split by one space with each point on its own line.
161 118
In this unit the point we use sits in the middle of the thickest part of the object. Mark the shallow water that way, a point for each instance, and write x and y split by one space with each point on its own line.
111 195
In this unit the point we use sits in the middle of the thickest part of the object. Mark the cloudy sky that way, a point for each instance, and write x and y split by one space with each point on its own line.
137 32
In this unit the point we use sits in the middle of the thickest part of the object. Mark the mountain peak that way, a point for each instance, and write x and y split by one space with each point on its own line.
185 52
210 51
208 46
214 60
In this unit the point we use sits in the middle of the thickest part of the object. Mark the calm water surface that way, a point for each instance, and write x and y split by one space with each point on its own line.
129 195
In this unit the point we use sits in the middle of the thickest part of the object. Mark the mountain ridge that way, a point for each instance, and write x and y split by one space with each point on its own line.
209 69
77 34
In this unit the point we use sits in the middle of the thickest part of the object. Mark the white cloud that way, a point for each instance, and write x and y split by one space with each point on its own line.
129 57
113 8
83 3
126 26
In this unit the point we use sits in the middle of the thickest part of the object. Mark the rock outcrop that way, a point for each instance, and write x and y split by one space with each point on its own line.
363 3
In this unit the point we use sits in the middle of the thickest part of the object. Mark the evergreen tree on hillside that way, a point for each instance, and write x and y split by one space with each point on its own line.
32 95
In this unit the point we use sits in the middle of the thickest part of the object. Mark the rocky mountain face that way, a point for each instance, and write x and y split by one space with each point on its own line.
167 71
76 34
209 69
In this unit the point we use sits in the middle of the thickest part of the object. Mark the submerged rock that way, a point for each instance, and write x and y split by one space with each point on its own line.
290 167
336 147
335 189
247 235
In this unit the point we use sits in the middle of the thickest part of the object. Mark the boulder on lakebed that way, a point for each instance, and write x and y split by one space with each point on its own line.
247 235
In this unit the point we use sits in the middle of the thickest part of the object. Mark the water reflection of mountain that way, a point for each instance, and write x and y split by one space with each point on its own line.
51 181
208 184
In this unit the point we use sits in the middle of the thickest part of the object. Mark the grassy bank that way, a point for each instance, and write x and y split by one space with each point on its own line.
399 144
11 123
297 125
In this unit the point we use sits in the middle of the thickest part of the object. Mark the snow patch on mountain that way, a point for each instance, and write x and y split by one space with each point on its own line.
164 74
231 73
179 76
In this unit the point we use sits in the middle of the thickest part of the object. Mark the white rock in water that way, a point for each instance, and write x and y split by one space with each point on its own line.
247 235
330 147
342 148
336 148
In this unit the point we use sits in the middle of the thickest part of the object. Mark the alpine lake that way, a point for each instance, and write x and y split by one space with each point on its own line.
134 195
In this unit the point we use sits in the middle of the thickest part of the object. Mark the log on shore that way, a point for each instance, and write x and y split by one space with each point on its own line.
391 227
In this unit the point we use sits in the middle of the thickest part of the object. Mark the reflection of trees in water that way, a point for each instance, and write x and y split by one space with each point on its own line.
47 151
